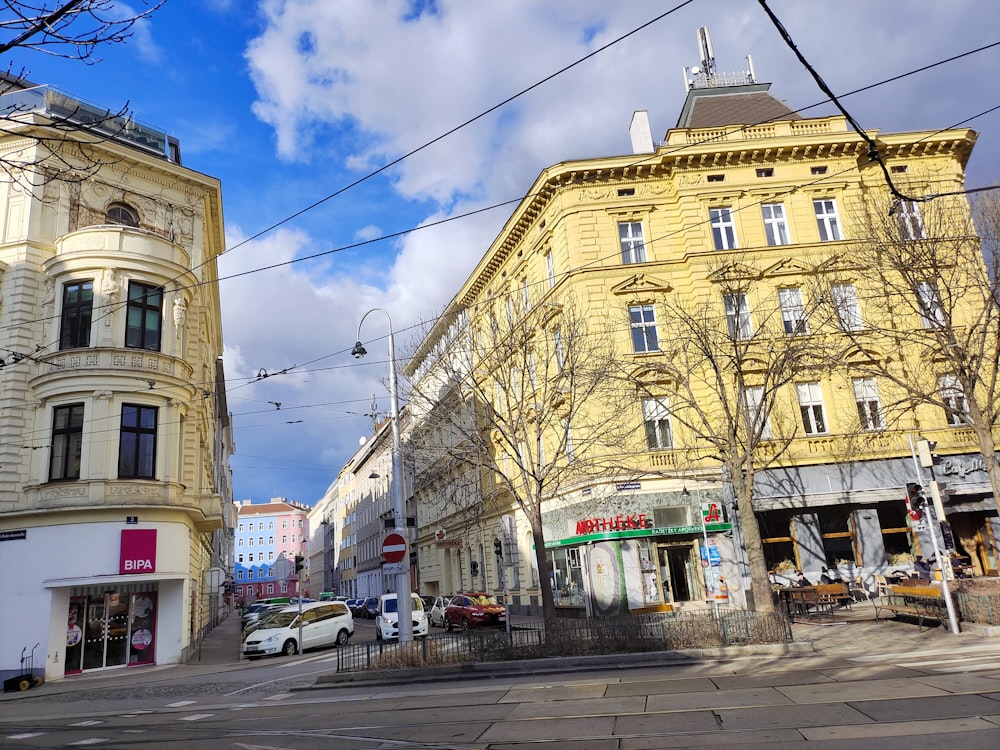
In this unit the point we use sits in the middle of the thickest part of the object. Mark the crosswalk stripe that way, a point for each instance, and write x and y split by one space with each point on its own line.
195 717
179 704
25 736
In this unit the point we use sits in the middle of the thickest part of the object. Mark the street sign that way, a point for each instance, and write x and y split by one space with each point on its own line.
394 548
391 569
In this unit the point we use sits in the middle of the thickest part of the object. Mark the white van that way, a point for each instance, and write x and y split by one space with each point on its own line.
323 624
387 617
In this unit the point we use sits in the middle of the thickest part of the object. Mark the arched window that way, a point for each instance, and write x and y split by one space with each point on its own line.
122 214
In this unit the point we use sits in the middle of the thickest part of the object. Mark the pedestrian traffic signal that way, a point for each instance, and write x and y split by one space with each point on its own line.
300 563
915 500
498 548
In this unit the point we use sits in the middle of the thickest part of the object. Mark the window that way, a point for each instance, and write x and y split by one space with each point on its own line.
845 301
260 541
632 243
911 225
776 537
827 220
836 529
284 539
716 178
775 223
869 407
811 407
956 407
250 541
656 419
270 555
793 311
758 424
241 527
144 316
123 214
239 558
766 172
270 588
723 228
642 319
239 543
929 301
818 170
270 524
250 574
77 312
550 270
239 575
557 348
67 442
137 451
738 316
270 540
525 295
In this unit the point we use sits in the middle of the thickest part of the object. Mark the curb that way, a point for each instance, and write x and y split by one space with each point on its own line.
552 665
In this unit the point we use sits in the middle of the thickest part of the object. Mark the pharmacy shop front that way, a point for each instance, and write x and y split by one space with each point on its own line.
627 563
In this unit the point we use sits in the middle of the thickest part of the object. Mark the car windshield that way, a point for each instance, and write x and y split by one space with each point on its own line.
389 605
277 620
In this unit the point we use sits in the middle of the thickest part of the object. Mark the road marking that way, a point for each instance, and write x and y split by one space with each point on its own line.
306 660
87 723
90 741
25 736
278 697
195 717
179 704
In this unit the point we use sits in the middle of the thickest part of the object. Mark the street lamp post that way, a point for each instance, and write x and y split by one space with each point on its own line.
403 603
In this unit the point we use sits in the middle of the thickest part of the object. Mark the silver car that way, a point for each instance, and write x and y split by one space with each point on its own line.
436 612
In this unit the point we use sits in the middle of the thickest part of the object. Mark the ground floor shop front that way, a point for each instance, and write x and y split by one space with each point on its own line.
98 596
854 518
647 550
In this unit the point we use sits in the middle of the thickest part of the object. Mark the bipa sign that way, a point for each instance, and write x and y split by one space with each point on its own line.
138 551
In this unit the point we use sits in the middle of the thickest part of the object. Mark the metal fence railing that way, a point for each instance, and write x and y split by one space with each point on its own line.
981 608
613 635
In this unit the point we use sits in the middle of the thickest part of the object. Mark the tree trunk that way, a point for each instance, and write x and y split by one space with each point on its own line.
760 583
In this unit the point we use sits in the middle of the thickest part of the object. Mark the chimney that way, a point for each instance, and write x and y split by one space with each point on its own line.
642 138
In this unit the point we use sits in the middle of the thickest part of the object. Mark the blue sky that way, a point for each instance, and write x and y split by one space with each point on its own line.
289 101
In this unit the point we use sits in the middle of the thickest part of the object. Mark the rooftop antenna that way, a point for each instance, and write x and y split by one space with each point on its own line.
373 414
707 54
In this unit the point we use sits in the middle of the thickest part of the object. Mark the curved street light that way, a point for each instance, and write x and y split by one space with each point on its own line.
403 603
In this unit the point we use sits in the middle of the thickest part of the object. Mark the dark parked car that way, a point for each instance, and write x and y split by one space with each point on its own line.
474 609
371 607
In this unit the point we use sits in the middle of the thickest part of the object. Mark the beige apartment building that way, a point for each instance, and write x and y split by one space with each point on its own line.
116 514
743 220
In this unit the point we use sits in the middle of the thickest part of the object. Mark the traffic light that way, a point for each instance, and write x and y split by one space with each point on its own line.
498 548
300 563
915 500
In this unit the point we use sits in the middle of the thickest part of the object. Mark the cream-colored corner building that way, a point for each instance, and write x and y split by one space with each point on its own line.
744 179
116 514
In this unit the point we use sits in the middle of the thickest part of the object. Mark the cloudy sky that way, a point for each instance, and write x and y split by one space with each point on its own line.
298 106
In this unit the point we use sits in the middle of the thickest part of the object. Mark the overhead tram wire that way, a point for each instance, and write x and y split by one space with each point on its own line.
869 87
403 232
427 144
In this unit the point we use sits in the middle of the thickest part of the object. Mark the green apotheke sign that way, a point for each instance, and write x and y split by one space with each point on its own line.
634 533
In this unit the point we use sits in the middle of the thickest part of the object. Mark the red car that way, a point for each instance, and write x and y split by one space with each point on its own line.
472 610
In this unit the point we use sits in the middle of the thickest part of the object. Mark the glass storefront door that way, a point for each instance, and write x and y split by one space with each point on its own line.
110 629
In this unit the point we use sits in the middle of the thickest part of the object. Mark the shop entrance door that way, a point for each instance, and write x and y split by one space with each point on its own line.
674 562
105 631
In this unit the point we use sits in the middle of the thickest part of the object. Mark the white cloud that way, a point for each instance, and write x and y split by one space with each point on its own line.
364 83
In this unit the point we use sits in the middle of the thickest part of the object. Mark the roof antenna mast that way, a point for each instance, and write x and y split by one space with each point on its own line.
707 54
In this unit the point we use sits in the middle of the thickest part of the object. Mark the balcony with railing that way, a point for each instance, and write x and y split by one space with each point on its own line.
67 110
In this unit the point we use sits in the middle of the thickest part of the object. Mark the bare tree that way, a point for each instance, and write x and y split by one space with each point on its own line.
530 402
73 29
728 359
933 330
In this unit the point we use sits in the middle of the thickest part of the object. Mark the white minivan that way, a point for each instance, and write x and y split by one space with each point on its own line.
387 617
323 624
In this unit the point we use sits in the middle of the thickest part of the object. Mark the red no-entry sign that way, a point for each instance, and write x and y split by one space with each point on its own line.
394 548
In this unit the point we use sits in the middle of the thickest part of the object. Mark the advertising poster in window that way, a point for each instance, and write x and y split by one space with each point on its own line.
74 635
142 640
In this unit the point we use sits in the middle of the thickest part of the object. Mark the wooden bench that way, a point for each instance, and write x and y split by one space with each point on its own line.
835 594
921 602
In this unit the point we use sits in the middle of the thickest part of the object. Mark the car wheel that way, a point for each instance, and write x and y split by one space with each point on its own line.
342 638
289 649
447 625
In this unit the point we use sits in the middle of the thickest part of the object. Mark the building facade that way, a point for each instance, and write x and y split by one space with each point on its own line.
269 538
114 432
741 224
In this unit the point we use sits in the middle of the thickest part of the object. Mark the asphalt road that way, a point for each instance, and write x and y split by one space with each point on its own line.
882 686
